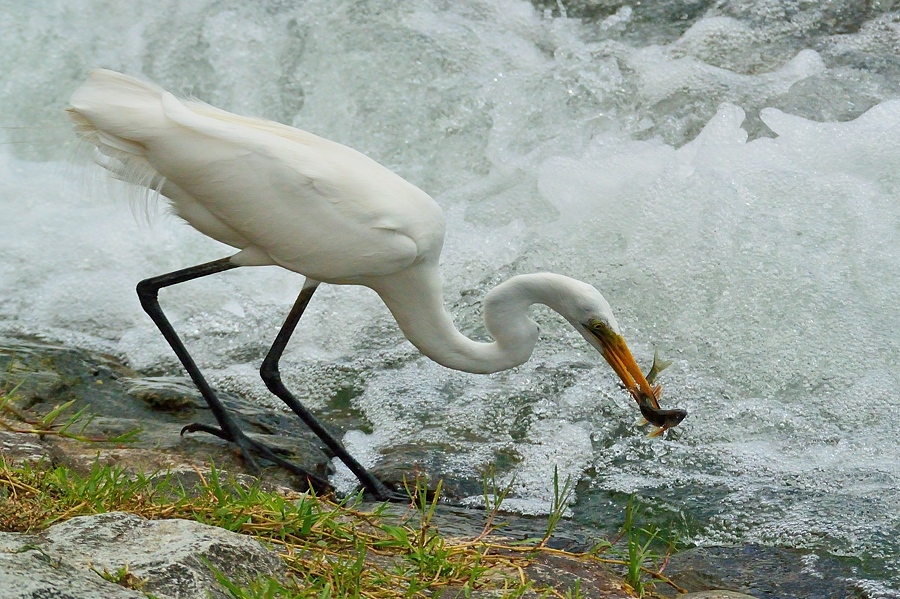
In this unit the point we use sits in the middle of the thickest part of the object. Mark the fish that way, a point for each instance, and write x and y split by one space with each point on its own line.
662 419
649 404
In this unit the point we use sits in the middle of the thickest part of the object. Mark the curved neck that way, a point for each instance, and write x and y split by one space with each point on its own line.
415 298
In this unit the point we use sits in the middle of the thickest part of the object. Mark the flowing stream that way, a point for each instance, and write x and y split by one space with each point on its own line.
727 174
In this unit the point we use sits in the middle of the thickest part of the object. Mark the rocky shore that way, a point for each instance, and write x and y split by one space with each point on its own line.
175 555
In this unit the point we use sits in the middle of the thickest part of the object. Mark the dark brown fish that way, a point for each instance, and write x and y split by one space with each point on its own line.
663 419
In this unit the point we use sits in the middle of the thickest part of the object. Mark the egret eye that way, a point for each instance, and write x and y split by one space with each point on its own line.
595 325
599 328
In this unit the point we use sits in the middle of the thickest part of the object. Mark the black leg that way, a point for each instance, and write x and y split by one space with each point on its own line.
272 377
148 292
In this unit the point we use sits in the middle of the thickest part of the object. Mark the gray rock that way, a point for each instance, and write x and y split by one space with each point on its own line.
170 556
26 572
716 595
22 448
118 400
764 571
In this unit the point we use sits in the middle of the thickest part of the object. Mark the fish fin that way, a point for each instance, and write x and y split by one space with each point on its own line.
642 422
657 432
661 364
657 367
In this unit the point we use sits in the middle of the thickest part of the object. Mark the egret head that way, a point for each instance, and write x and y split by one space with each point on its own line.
589 312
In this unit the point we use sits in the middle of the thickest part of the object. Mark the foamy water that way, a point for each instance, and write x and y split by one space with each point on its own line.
666 164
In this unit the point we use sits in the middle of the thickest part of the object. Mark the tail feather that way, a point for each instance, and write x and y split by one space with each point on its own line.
116 111
118 114
110 101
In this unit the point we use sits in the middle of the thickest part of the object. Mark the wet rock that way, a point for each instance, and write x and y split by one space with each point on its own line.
118 400
763 572
165 558
467 523
566 574
400 465
716 595
165 393
19 448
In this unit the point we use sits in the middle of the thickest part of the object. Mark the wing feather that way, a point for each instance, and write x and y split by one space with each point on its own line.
314 206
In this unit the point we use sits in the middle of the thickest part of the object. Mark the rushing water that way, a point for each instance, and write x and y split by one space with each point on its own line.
726 173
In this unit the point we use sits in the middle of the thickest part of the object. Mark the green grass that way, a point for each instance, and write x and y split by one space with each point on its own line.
331 549
122 577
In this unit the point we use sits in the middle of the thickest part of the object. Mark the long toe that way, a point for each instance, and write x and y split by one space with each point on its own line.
316 483
240 439
249 446
195 427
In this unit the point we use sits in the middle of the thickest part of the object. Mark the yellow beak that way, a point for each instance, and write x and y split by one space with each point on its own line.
617 354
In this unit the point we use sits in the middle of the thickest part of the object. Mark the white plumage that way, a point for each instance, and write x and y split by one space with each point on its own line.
287 197
247 182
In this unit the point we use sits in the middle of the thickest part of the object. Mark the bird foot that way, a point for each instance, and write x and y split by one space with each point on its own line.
247 444
373 487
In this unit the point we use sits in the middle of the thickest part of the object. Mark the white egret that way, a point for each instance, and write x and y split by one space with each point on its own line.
286 197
